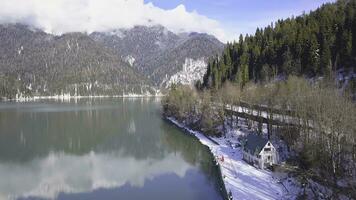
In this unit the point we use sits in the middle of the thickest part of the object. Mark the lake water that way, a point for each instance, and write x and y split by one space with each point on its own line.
100 149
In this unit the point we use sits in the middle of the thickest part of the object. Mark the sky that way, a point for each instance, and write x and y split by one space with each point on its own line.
225 19
243 16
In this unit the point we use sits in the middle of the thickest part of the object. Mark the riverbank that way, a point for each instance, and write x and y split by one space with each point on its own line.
241 179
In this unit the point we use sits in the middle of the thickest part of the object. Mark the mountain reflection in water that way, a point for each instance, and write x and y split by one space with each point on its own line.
99 148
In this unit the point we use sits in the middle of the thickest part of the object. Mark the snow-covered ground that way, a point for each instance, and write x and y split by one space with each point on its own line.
241 179
65 97
193 70
281 118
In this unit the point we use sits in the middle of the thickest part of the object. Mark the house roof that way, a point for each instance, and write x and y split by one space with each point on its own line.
254 143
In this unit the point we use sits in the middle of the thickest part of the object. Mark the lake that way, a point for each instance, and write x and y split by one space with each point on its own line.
110 148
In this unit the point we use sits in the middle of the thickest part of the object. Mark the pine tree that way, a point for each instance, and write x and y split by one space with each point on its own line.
216 76
313 57
287 62
325 59
243 72
207 76
228 61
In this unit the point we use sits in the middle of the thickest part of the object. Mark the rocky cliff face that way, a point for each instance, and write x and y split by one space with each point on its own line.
157 52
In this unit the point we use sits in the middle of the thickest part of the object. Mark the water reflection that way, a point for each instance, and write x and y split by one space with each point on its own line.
99 149
59 172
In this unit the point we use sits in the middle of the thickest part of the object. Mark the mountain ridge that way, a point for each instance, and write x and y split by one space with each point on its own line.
137 60
155 49
37 63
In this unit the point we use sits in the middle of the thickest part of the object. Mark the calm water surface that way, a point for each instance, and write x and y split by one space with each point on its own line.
100 149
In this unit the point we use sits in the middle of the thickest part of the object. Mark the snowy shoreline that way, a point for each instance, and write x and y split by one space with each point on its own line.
68 97
241 179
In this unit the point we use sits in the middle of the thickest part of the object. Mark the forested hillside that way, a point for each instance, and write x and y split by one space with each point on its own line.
137 60
314 44
34 63
157 52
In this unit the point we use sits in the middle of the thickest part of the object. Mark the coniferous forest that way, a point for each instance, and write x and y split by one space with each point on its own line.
287 76
312 45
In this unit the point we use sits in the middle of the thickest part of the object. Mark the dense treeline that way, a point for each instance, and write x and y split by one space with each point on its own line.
321 130
314 44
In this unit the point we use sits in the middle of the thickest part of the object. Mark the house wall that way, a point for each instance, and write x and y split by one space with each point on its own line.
269 157
263 161
253 160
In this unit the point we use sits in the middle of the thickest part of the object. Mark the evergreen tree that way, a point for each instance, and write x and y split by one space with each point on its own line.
287 62
243 72
314 44
325 59
312 55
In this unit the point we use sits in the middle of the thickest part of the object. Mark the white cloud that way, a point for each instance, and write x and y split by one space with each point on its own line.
59 172
62 16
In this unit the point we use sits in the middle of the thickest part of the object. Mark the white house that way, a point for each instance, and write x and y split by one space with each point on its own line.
259 151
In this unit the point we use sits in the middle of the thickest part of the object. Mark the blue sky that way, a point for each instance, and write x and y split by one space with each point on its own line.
243 16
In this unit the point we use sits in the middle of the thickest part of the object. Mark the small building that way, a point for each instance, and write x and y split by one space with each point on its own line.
259 151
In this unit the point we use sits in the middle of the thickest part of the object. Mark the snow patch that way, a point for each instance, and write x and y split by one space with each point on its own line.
20 50
130 59
68 46
193 70
29 87
118 32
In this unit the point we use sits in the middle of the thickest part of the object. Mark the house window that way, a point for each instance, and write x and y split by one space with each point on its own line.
267 149
268 157
269 144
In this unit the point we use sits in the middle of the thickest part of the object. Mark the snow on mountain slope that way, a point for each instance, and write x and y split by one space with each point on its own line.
130 59
158 53
193 70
